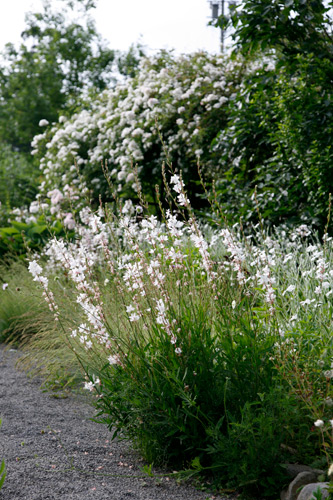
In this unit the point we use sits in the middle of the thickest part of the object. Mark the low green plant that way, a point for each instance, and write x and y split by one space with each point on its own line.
18 179
20 237
3 471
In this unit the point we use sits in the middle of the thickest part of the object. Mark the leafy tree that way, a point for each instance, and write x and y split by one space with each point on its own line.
54 64
290 27
280 131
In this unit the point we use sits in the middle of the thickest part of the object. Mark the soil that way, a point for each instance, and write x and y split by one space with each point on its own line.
53 450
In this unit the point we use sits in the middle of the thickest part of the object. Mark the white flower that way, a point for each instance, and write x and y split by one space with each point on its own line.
178 350
89 386
35 268
69 222
152 101
34 207
330 470
43 123
290 288
130 177
134 317
182 200
233 304
4 286
56 196
319 423
113 360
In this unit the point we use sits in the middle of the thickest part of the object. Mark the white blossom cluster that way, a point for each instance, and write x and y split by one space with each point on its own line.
145 258
182 99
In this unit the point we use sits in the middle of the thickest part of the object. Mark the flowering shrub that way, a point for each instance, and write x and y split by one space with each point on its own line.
183 101
170 309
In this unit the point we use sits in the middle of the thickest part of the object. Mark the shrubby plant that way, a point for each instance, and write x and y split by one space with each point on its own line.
182 102
18 181
169 312
279 133
18 238
275 142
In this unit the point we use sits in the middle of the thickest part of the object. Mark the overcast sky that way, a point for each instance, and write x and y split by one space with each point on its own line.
178 24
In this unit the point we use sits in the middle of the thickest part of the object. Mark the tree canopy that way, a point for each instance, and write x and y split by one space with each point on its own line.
56 61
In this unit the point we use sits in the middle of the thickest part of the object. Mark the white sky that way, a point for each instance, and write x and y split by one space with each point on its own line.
178 24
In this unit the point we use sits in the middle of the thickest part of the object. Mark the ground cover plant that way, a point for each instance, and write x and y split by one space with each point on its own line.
170 308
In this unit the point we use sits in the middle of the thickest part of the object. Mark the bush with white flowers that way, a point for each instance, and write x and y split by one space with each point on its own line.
172 110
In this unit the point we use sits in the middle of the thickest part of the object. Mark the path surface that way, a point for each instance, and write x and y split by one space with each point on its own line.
42 438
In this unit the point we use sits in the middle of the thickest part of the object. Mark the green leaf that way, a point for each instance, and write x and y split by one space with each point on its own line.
3 473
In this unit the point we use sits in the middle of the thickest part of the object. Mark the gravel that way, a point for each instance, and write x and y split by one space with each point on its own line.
53 450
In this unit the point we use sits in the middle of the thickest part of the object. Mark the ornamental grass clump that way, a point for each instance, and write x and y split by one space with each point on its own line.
192 342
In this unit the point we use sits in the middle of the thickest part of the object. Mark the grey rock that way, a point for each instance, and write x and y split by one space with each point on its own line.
283 495
300 480
294 469
308 491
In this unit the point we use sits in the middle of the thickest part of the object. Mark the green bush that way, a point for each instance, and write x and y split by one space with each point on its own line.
279 136
275 141
20 237
18 180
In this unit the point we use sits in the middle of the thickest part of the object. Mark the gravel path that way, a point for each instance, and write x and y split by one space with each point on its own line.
53 451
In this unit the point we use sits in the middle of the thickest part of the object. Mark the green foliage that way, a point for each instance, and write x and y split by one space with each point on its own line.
293 27
128 62
56 61
161 402
20 304
27 322
279 135
3 471
18 179
18 237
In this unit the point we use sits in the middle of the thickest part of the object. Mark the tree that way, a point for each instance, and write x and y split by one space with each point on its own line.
280 133
56 62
